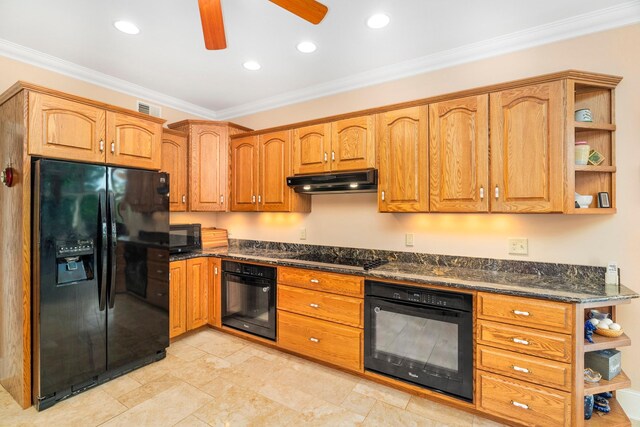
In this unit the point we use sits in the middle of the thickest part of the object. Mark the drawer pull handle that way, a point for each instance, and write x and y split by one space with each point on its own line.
520 341
312 339
519 405
314 305
314 281
519 369
521 313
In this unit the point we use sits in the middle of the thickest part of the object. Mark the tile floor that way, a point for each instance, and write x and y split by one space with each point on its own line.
214 379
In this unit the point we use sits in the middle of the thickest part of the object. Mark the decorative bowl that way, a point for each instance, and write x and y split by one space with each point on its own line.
609 332
583 201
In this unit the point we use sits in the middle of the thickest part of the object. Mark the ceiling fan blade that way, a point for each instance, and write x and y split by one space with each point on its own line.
309 10
212 24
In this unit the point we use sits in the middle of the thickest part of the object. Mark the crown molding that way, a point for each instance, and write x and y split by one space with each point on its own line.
39 59
591 22
600 20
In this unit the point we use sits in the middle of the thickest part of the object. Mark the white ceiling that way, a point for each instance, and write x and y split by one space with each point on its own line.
167 61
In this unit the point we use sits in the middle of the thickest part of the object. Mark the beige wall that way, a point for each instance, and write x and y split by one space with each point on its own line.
12 71
353 220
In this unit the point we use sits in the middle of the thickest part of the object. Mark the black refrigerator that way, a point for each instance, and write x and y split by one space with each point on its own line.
100 274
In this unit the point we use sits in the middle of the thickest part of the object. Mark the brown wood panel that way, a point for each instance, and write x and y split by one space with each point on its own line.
353 143
197 292
459 155
332 343
505 397
596 99
321 281
531 312
274 166
133 142
15 264
215 273
208 166
321 305
244 174
177 298
404 161
535 370
175 148
64 129
525 340
311 149
526 145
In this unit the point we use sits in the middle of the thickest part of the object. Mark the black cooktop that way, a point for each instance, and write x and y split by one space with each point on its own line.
366 264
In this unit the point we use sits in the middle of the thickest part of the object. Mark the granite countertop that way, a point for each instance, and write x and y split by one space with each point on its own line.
509 283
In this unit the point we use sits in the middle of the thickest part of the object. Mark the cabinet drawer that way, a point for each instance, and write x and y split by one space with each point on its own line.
321 281
528 368
530 312
522 402
326 341
157 254
158 270
336 308
525 340
158 293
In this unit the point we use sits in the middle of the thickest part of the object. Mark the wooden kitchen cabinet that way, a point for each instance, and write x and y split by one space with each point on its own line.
526 145
259 168
175 147
459 155
197 292
347 144
208 163
65 127
177 298
403 174
214 317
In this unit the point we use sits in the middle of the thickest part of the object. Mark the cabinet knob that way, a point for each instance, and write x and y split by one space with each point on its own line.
101 145
253 199
520 341
325 157
497 191
184 198
333 155
382 195
519 405
314 281
222 199
519 369
113 147
259 198
313 305
521 313
481 193
215 270
312 339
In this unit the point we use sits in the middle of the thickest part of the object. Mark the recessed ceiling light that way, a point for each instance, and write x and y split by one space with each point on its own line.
379 20
306 47
126 27
252 65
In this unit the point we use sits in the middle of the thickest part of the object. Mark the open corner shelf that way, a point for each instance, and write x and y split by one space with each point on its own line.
590 168
620 381
615 418
603 343
594 211
594 126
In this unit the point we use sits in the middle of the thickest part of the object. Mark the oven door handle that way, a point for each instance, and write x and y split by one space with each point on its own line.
437 313
249 280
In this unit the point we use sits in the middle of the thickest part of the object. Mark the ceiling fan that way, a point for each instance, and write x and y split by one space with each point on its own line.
213 25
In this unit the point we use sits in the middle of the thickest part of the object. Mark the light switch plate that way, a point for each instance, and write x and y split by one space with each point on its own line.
303 234
408 239
519 246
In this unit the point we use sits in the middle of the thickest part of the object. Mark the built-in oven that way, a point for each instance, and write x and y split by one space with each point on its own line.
184 238
419 335
249 298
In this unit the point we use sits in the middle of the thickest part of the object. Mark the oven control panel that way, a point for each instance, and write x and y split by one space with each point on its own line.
420 296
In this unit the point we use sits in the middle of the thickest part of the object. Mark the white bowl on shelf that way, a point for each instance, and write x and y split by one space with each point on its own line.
583 201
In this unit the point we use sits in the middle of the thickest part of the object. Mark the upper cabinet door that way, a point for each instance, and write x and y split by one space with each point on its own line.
65 129
459 155
207 168
402 144
244 174
311 149
274 167
133 141
353 144
526 149
174 162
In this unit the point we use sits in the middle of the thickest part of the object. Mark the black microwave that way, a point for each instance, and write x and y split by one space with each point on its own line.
184 238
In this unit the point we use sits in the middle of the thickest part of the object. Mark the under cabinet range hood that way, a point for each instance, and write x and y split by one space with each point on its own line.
365 181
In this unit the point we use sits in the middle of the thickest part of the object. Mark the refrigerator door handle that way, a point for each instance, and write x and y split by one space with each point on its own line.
112 244
102 280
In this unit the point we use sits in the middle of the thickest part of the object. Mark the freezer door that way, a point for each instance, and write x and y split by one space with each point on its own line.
138 297
69 325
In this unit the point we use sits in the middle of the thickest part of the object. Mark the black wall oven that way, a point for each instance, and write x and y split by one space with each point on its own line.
249 298
421 336
184 238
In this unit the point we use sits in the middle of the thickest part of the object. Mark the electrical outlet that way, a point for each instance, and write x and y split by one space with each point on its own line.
519 246
303 234
408 239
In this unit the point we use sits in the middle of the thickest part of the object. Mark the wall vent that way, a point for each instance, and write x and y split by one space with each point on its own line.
146 108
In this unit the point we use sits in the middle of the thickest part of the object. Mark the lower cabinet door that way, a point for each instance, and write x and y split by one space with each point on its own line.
522 402
332 343
197 292
177 298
